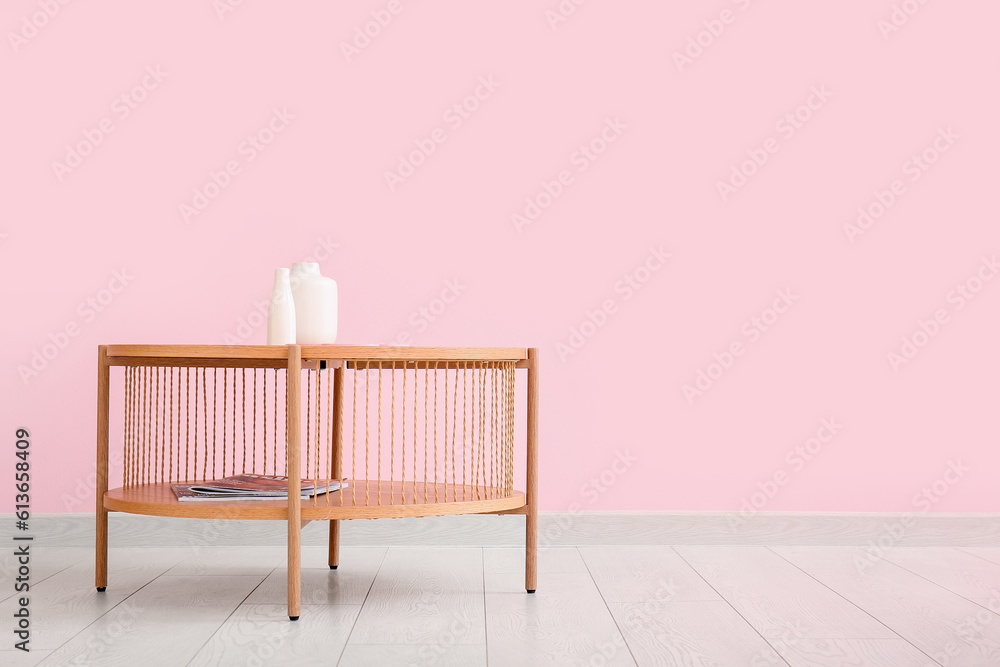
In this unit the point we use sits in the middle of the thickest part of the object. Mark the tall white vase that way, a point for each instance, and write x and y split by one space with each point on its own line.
315 299
281 311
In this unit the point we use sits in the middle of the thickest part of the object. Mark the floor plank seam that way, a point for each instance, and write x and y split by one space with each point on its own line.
941 586
851 602
107 611
631 652
486 617
226 619
738 612
361 607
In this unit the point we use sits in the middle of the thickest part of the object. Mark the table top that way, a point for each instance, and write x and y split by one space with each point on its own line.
332 352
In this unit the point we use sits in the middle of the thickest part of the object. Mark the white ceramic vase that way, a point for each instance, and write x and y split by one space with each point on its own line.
281 311
315 299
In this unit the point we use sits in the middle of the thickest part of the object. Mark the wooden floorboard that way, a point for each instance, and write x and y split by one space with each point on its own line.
439 655
945 626
961 573
259 634
807 652
640 573
348 584
793 605
67 602
777 598
566 622
168 621
692 632
423 595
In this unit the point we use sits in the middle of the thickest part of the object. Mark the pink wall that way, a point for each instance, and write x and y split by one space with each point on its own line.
836 103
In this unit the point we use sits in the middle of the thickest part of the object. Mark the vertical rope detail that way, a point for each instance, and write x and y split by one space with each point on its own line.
204 399
402 481
254 432
445 434
187 421
454 423
156 426
319 391
264 441
416 382
378 474
234 426
170 466
435 430
368 370
354 438
392 437
225 420
243 385
308 417
427 367
465 411
126 431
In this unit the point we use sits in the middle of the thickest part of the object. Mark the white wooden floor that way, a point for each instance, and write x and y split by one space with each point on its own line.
614 605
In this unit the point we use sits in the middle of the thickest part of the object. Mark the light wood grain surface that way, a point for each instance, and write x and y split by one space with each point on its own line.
258 635
808 652
461 606
694 632
321 585
168 620
636 573
979 534
439 655
564 623
775 596
412 500
922 612
423 595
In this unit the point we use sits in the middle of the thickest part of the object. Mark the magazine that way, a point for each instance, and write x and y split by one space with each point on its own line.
250 487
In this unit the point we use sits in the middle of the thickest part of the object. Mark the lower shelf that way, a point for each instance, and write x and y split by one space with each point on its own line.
362 499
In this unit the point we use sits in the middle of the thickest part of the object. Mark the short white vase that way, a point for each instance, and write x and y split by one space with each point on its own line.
281 311
315 299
